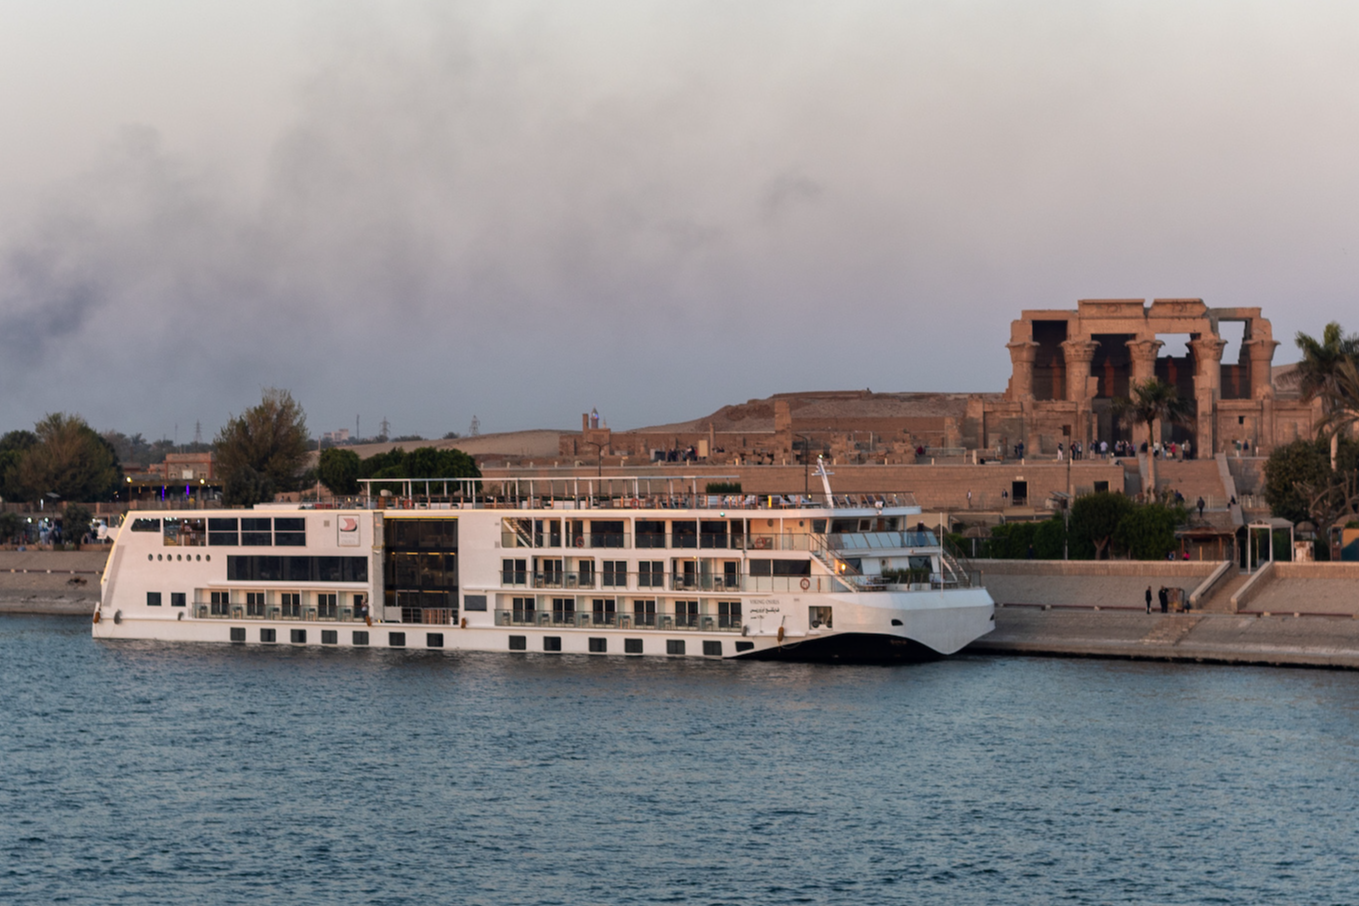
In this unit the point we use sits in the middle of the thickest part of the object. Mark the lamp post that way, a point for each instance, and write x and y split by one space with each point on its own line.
806 464
599 456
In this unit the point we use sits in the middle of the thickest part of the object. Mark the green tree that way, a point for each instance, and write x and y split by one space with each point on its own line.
1095 519
10 523
1319 372
270 439
75 522
13 446
69 460
1147 532
1153 401
245 487
1300 483
338 469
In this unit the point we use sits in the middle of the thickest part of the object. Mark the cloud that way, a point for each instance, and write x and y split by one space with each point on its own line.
524 212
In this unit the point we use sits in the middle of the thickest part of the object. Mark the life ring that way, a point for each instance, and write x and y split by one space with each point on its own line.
806 584
580 541
780 635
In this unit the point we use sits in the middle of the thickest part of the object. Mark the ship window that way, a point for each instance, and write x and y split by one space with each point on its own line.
434 640
254 603
153 599
146 525
299 636
177 599
650 533
360 637
327 607
519 643
712 649
238 633
223 532
818 617
744 646
256 532
396 639
291 602
729 614
761 568
514 572
606 533
615 574
291 532
474 602
674 646
552 643
220 602
651 574
330 636
632 646
599 646
685 533
522 609
268 635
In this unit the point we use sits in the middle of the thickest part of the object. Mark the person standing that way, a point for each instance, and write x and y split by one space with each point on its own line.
1200 505
1148 599
1165 599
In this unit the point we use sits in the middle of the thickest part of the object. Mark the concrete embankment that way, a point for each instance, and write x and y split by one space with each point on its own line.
50 582
1096 610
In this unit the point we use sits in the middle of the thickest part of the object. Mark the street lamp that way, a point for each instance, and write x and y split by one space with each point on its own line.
806 464
599 456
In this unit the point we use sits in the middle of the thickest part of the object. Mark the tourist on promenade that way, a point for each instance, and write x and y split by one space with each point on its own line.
1165 599
1059 452
1200 505
1148 599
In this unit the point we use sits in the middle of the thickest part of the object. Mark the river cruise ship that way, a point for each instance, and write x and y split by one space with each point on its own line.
656 568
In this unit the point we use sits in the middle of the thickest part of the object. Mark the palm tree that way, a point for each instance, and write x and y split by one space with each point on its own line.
1153 400
1343 403
1319 370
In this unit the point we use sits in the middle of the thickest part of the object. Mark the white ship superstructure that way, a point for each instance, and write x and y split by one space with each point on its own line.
687 574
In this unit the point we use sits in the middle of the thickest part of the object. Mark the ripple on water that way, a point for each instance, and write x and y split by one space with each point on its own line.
159 773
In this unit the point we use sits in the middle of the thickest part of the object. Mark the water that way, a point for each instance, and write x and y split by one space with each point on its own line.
187 774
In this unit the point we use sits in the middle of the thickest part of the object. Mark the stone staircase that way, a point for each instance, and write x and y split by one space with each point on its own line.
1221 599
1170 629
1194 478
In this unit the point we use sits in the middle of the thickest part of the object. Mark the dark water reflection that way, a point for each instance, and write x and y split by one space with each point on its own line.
186 774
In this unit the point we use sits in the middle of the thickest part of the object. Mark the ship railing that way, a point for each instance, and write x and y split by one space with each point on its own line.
661 621
307 614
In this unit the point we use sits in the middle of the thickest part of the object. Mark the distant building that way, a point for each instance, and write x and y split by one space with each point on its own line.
1068 366
336 437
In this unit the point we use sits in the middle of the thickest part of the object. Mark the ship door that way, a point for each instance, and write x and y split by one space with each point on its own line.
1019 493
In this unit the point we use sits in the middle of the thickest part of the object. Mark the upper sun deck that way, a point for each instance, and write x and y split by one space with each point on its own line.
633 493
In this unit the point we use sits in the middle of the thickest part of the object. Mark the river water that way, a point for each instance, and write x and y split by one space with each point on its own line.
151 773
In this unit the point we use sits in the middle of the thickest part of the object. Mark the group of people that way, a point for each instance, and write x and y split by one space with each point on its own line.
1122 448
1163 596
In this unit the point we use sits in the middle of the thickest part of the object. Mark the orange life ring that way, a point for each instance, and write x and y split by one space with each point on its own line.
580 541
806 584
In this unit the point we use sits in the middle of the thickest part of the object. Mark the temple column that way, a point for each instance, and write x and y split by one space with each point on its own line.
1078 354
1207 389
1143 353
1261 359
1022 355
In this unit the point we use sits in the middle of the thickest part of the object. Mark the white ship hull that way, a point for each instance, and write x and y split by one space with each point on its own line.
667 582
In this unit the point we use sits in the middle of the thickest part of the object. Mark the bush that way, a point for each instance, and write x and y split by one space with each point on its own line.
75 522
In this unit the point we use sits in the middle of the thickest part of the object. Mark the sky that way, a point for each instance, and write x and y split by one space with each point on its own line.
427 211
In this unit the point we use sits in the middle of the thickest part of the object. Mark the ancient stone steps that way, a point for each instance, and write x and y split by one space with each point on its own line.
1171 628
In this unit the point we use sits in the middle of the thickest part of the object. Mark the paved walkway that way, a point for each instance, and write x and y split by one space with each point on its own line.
1221 638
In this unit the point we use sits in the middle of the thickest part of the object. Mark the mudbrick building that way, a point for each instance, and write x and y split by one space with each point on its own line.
1068 367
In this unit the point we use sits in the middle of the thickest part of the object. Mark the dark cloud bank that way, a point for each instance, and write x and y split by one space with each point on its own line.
499 220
